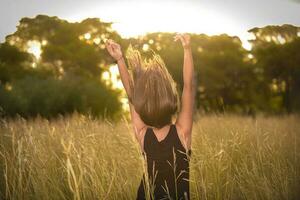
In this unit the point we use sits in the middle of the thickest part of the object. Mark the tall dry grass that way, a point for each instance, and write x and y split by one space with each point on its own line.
80 158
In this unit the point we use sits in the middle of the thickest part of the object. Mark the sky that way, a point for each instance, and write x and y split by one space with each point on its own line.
136 17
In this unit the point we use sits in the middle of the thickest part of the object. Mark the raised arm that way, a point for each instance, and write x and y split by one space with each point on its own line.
185 118
115 51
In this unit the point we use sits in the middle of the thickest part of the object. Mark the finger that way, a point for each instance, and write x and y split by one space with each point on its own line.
110 41
109 48
181 38
187 36
107 45
176 37
115 45
113 42
179 35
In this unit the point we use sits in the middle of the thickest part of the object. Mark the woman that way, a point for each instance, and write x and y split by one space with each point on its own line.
153 102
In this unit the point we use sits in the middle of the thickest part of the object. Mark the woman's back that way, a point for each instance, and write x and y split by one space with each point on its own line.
167 166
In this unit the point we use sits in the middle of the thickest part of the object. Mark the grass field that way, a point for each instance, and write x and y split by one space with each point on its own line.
80 158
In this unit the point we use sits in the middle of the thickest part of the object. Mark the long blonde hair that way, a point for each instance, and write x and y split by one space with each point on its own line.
154 91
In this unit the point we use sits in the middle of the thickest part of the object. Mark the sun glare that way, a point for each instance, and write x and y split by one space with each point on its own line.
181 19
111 78
34 47
136 18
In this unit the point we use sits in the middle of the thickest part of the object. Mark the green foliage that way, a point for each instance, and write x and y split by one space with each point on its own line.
73 58
11 62
32 96
276 51
66 78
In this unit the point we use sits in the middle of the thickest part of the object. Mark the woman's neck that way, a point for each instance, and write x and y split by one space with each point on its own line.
162 128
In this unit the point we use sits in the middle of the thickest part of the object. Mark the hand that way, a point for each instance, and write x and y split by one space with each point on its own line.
114 49
185 40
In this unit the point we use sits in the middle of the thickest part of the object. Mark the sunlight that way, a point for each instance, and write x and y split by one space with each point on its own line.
105 76
134 18
125 105
34 47
44 42
87 36
8 87
115 77
145 47
112 77
244 38
97 41
182 18
281 39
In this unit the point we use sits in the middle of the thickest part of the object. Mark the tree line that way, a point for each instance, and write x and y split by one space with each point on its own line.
50 66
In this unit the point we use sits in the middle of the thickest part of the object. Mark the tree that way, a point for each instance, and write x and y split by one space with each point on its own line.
66 47
276 51
54 67
11 62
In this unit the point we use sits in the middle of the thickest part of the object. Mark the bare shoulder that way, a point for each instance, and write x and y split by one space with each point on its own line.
140 136
184 136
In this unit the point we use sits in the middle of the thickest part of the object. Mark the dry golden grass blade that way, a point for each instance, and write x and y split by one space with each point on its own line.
79 158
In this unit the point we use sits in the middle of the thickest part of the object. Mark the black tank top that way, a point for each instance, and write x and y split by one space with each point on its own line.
167 167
